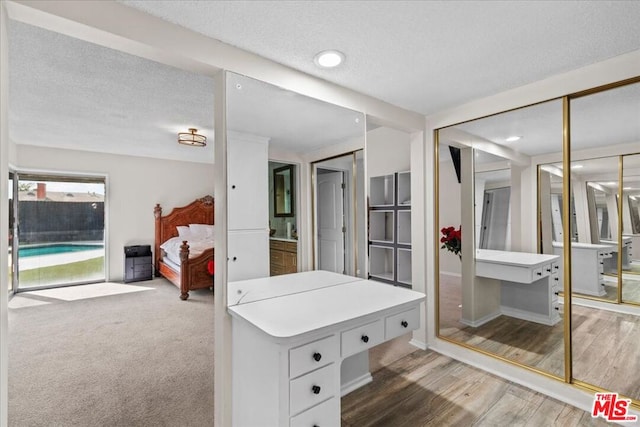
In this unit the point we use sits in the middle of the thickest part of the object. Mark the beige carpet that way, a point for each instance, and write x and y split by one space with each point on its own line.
111 355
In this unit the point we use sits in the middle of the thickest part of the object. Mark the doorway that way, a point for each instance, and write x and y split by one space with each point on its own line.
56 231
339 214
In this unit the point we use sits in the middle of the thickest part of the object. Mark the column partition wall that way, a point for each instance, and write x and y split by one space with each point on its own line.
569 311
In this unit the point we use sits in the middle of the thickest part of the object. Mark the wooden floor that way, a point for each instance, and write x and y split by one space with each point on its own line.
425 388
605 344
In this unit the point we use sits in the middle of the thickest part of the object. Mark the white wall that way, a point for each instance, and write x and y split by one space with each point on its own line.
449 214
134 186
388 151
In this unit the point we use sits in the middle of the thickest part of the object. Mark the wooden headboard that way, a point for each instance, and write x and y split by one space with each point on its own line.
200 211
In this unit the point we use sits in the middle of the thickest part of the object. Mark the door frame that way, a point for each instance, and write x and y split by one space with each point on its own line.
350 208
18 174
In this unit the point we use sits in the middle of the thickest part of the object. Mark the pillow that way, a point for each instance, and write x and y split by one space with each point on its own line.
201 230
184 231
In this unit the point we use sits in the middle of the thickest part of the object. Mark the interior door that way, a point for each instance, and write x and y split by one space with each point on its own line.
330 212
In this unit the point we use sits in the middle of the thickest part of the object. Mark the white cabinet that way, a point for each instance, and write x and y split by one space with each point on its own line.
246 252
248 182
248 206
587 266
390 228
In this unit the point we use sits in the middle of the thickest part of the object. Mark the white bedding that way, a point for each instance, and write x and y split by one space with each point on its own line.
196 247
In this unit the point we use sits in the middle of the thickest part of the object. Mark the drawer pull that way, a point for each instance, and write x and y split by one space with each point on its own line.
601 262
365 339
556 279
539 273
549 270
315 389
557 293
234 258
556 267
317 357
233 187
404 323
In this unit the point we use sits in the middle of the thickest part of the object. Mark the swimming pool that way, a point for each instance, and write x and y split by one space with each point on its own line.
58 248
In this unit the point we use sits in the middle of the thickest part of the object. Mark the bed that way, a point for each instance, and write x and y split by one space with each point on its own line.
184 245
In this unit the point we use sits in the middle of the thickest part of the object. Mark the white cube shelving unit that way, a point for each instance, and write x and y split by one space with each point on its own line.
390 228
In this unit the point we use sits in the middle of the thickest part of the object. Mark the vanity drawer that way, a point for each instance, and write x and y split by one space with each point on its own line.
277 257
555 267
276 245
311 389
313 355
401 323
361 338
325 414
537 273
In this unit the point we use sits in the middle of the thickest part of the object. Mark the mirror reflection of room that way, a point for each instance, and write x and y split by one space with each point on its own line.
605 131
500 295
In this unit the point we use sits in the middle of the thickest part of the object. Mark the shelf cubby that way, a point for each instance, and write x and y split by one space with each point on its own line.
381 227
404 188
382 190
381 262
404 266
404 227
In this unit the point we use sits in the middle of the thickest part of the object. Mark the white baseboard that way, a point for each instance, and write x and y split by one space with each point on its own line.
450 273
481 321
529 316
355 384
420 344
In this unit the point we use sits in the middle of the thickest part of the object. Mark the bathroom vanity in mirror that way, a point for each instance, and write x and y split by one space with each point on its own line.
529 283
291 334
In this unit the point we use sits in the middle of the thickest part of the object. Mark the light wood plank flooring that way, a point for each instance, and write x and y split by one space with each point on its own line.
605 343
425 388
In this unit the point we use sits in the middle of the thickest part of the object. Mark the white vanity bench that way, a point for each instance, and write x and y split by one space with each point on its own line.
291 333
529 283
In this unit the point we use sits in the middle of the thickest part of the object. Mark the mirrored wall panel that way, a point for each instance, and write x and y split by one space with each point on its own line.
631 228
496 292
270 134
605 336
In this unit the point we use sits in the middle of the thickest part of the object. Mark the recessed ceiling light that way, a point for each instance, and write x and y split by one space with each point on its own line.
329 58
513 138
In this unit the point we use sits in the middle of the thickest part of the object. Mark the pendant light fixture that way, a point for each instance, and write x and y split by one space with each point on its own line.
192 138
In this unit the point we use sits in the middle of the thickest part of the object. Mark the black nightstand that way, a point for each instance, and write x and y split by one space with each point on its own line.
138 264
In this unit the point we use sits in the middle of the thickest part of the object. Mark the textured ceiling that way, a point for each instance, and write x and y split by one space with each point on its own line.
425 56
68 93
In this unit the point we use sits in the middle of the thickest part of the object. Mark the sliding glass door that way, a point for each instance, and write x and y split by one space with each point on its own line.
58 236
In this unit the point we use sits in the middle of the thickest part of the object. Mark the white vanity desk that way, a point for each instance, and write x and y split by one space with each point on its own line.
587 271
290 334
529 283
611 265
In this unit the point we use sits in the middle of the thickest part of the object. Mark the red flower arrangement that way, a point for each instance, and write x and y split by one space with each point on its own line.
452 240
210 267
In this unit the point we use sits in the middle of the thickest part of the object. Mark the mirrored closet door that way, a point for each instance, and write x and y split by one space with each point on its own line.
605 131
496 294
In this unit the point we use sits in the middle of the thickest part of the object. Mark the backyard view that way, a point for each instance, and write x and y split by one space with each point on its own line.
57 231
